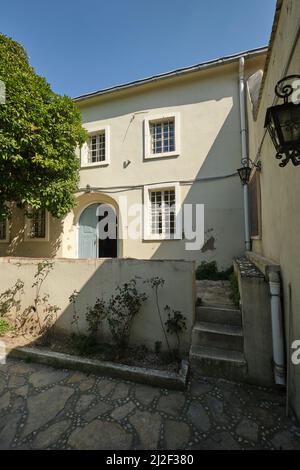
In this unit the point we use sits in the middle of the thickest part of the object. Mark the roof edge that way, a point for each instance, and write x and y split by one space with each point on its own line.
278 10
177 72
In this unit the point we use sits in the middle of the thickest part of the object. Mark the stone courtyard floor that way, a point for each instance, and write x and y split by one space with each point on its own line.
42 407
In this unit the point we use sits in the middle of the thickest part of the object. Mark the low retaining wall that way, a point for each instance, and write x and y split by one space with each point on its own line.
99 278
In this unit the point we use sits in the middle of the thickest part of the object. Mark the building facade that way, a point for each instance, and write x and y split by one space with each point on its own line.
166 141
275 190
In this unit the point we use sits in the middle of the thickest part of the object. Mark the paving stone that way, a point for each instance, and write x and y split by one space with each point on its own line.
24 368
216 407
97 410
171 403
145 395
83 402
2 384
8 432
100 435
17 404
22 391
87 384
121 391
248 430
77 377
16 381
122 411
199 417
147 426
198 388
4 400
44 378
177 435
52 434
45 406
105 387
284 440
218 441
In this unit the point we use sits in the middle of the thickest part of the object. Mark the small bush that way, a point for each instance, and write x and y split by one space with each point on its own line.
123 307
209 271
235 293
4 327
84 345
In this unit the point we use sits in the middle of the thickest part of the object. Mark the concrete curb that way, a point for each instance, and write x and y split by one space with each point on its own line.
158 378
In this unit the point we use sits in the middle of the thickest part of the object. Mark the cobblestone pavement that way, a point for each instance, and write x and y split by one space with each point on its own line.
42 407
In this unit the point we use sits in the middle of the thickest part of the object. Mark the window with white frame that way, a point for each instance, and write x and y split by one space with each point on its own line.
3 230
37 225
161 212
96 146
95 152
162 136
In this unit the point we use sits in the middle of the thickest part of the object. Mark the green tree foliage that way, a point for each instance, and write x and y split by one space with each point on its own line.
39 132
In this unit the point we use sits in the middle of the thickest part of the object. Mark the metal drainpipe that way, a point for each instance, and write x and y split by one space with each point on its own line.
277 329
245 157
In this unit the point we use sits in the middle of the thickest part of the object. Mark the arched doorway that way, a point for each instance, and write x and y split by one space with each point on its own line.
89 245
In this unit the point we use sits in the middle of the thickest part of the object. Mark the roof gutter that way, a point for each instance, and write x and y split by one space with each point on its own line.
176 73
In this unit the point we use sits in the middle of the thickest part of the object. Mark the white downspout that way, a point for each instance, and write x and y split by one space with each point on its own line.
245 157
277 329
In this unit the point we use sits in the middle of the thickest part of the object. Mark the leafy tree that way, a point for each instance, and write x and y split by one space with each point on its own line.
39 132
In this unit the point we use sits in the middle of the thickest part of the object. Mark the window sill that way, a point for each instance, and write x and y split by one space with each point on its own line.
157 238
4 241
93 165
155 156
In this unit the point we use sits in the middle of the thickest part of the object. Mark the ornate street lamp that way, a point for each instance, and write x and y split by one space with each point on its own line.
283 121
245 171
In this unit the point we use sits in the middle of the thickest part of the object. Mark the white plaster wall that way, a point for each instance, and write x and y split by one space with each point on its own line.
96 278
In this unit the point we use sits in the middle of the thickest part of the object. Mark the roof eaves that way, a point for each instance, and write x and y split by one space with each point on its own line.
174 73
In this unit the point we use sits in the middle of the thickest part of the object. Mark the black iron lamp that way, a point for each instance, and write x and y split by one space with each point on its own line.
245 171
283 121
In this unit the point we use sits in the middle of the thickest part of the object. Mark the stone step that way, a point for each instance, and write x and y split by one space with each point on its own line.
216 362
222 314
218 335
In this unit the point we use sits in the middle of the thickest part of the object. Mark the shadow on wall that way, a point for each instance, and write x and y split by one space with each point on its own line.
222 199
18 246
94 279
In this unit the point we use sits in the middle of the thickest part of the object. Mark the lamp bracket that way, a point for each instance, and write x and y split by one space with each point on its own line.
257 165
284 89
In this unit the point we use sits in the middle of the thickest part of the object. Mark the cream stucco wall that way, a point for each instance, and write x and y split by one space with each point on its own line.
207 102
98 279
280 189
208 106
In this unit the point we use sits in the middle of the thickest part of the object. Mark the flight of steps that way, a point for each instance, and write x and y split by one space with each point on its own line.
217 340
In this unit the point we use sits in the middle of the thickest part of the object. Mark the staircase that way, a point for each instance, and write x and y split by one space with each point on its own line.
217 338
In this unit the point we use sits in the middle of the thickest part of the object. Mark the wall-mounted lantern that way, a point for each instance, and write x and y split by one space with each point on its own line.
245 171
283 121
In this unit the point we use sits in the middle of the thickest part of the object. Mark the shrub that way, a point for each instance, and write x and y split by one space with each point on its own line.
209 271
4 327
235 293
95 316
176 324
123 307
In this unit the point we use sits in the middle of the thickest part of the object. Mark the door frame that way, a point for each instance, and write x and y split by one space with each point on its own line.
77 225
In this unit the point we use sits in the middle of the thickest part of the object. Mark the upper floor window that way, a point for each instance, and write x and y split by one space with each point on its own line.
4 230
96 150
37 225
162 136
